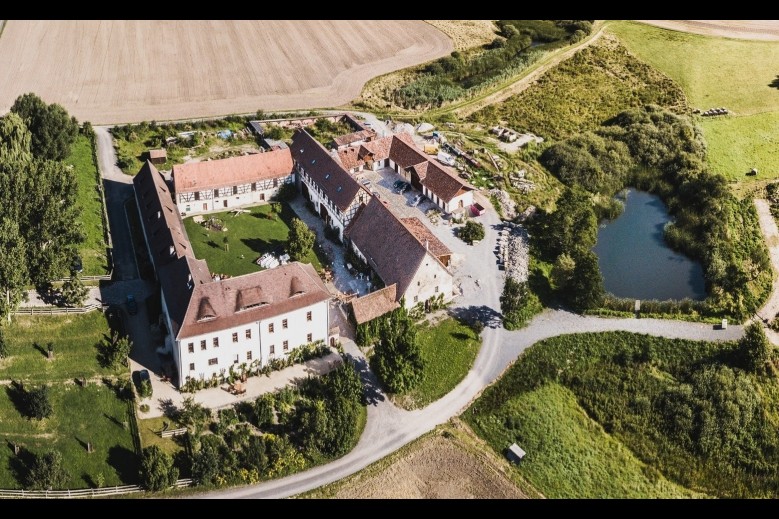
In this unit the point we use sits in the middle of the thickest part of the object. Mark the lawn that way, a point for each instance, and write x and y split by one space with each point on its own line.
92 414
739 75
93 250
570 455
249 236
74 338
148 429
738 144
449 349
713 72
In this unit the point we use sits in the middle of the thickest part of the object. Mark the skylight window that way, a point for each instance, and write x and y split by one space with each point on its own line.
327 176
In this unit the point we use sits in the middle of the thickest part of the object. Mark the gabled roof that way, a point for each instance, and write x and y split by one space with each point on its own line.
233 171
404 152
349 138
425 237
165 232
375 304
328 174
246 299
178 280
445 184
355 156
390 248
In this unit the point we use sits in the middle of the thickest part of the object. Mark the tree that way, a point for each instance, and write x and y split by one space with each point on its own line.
755 349
15 139
53 131
194 416
562 271
157 471
264 411
518 303
471 232
301 240
214 462
344 382
3 344
14 275
585 289
116 350
73 291
38 403
47 472
397 359
570 229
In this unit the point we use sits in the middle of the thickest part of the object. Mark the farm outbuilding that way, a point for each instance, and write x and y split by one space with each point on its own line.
158 156
515 453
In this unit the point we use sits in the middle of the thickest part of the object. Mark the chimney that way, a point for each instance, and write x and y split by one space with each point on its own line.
172 250
159 215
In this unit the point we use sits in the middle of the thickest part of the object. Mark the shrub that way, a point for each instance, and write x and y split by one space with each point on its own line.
471 232
47 472
38 403
157 471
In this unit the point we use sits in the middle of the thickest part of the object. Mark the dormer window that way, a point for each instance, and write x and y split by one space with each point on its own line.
327 176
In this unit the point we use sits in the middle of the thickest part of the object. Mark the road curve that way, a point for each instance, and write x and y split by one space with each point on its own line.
389 428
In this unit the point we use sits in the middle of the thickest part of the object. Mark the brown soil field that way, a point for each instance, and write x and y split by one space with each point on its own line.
447 464
742 29
129 71
467 33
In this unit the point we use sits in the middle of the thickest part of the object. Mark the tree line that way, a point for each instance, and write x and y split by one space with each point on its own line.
39 218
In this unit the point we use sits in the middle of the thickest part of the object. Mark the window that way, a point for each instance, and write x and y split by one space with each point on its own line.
419 283
216 193
254 186
213 362
248 355
309 338
235 190
435 276
237 359
197 196
275 182
203 345
308 316
272 349
286 345
191 347
191 366
188 209
216 342
436 289
235 337
262 197
205 207
416 299
248 333
270 327
284 324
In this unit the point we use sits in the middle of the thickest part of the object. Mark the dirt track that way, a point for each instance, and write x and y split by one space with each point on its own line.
742 29
128 71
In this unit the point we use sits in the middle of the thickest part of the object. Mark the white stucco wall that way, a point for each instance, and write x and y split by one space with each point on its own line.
431 274
217 204
296 333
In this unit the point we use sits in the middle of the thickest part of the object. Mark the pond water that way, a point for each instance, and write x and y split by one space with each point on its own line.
635 260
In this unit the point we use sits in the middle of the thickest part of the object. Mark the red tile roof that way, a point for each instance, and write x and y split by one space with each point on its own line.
390 247
444 183
375 304
356 156
425 237
349 138
404 152
233 171
241 300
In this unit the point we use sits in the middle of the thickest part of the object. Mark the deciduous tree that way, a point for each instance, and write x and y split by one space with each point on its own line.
52 129
301 240
157 471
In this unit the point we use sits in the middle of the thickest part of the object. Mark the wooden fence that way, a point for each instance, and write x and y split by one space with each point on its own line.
173 432
54 310
81 493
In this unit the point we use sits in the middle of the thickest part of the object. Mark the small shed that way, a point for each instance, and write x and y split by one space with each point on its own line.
158 156
515 453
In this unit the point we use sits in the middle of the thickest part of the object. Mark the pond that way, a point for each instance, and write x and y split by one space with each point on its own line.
635 260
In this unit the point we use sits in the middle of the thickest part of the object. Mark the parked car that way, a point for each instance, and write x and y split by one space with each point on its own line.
366 182
405 187
132 305
143 376
376 194
416 200
397 184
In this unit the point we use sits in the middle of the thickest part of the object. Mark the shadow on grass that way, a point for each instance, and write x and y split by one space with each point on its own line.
18 397
41 349
774 83
125 462
460 336
261 246
20 464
